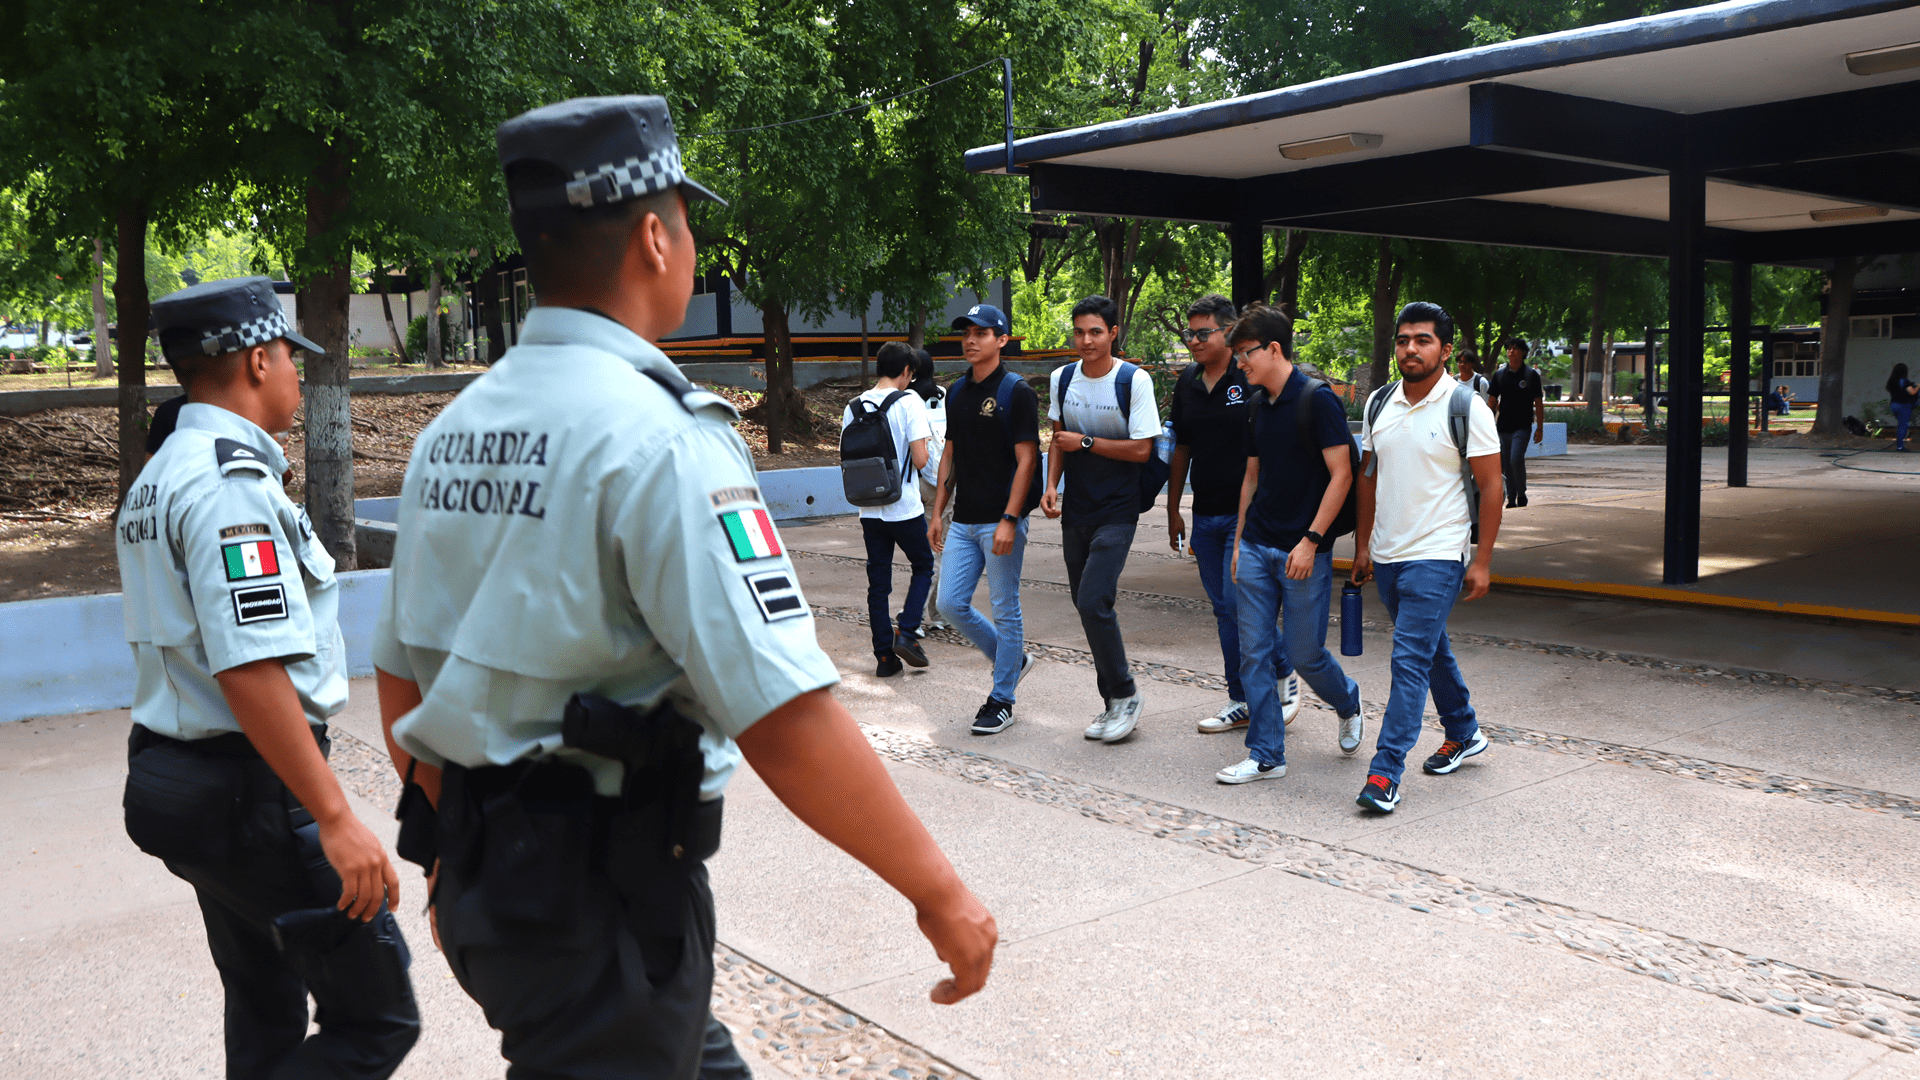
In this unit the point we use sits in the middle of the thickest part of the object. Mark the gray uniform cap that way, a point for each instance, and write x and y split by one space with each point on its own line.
226 315
612 148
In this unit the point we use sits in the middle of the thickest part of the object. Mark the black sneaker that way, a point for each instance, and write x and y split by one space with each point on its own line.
1451 754
1523 500
889 667
1380 794
907 648
993 718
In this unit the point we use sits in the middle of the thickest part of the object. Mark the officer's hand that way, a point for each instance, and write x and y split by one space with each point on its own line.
366 877
1003 536
1176 527
963 935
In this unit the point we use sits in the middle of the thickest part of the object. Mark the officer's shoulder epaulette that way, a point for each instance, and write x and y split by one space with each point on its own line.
691 398
233 455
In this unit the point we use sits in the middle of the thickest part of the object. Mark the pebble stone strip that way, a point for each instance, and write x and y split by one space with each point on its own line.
1713 772
787 1024
1827 1001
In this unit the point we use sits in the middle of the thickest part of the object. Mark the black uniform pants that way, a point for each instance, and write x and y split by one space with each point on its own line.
223 823
589 970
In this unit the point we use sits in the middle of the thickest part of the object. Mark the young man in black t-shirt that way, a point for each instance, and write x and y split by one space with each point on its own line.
1209 414
987 469
1520 410
1295 485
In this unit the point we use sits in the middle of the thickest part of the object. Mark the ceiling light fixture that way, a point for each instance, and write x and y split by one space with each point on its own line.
1332 144
1881 61
1848 213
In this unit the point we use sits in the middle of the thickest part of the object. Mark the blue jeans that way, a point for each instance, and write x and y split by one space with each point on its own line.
1212 539
1418 596
882 537
968 552
1903 419
1266 594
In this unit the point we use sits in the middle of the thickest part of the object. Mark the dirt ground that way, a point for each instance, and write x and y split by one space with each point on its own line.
58 478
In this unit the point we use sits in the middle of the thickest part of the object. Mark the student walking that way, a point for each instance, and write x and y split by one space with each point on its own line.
935 397
1104 422
1293 503
1209 414
1467 369
1521 402
901 523
987 471
1901 393
1429 464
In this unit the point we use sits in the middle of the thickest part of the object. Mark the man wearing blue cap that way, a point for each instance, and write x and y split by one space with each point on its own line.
591 619
230 609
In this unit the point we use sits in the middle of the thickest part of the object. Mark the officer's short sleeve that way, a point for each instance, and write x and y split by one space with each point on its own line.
243 572
388 654
709 575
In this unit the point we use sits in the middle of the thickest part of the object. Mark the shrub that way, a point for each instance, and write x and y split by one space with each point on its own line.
417 338
1579 421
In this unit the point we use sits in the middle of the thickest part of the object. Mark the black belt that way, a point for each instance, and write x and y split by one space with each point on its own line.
232 744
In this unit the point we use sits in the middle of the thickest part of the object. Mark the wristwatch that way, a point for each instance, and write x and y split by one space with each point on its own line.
1317 539
1086 442
1010 517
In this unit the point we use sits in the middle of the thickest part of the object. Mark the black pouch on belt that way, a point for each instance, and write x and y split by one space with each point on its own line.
419 839
536 836
182 804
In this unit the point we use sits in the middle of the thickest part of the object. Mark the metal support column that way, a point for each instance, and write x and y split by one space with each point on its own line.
1247 240
1740 371
1686 327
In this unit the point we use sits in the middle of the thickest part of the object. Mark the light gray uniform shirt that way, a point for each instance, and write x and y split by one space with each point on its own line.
566 526
219 569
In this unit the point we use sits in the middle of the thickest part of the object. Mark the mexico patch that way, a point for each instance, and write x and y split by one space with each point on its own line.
777 595
255 558
259 604
751 534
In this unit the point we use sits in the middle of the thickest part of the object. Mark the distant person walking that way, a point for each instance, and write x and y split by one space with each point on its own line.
1521 404
935 397
986 473
903 522
1427 448
1468 368
1901 392
1299 470
1209 414
1104 422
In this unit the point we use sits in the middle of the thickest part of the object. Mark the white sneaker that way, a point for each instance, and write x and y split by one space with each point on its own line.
1098 729
1026 665
1235 715
1248 771
1125 714
1289 691
1352 730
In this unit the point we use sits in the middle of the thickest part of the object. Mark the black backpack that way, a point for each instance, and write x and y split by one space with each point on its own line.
870 468
1003 408
1153 471
1345 521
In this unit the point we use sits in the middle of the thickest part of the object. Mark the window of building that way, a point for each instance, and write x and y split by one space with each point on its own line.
1872 326
1792 358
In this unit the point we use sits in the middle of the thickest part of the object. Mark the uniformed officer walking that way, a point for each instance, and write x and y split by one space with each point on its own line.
230 608
589 605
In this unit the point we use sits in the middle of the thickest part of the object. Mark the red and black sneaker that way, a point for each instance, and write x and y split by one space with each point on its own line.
1380 794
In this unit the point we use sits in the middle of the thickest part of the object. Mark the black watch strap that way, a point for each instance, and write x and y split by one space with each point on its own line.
1317 539
1010 517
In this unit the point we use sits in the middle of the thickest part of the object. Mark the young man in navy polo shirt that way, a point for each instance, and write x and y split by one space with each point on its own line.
1209 414
1296 483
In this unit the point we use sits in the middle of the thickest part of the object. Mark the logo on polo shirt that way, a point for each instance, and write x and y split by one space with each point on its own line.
987 407
1234 395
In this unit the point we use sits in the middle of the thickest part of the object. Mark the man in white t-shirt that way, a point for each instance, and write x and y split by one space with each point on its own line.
1414 534
1102 435
902 522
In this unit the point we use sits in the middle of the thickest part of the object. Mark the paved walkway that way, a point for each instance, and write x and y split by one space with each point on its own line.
1668 864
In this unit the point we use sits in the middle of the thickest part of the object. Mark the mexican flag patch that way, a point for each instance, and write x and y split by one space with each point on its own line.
751 534
255 558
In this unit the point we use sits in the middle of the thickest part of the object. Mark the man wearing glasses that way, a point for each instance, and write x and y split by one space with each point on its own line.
1209 413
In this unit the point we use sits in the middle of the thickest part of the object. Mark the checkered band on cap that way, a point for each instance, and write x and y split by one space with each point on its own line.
253 332
634 178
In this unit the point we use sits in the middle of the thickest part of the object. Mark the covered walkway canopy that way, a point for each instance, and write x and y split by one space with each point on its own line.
1781 131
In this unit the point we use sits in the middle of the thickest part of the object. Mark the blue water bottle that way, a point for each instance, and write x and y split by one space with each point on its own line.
1350 619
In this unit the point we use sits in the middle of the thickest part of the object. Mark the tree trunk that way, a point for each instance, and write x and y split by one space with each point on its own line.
132 309
436 344
323 313
1386 300
489 299
864 384
779 338
1595 389
1833 345
386 308
917 329
1513 316
1284 282
102 345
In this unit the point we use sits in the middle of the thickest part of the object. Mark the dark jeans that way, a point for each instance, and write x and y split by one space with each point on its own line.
1513 461
882 537
1095 558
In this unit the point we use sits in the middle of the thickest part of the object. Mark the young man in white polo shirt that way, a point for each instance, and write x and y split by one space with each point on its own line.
1414 535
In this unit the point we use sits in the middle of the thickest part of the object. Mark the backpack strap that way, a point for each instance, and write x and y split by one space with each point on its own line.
1003 401
1123 393
1375 404
1060 392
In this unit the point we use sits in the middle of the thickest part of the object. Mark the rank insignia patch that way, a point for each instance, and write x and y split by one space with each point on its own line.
777 595
259 604
254 558
751 534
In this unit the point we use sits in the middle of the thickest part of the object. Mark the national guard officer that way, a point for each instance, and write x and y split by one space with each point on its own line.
230 608
589 605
